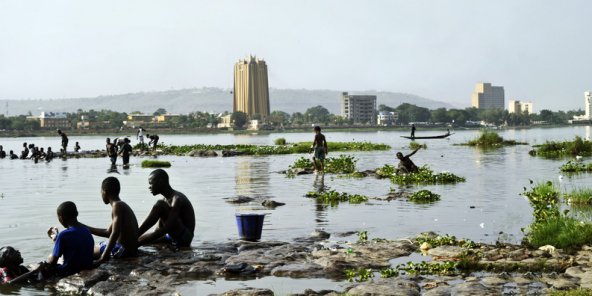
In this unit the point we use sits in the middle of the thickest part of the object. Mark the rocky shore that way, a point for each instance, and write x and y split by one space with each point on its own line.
480 269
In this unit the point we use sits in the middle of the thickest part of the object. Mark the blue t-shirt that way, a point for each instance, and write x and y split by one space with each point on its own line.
76 244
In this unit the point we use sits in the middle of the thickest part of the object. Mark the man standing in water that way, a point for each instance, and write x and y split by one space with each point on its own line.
174 214
64 140
111 151
25 151
123 231
126 151
140 137
319 146
407 166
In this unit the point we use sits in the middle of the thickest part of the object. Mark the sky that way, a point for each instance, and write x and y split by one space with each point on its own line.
539 50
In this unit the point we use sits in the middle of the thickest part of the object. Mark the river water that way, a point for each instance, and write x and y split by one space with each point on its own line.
486 208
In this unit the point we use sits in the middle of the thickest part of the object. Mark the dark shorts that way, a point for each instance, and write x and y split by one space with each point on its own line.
319 153
183 241
113 159
118 251
125 159
64 143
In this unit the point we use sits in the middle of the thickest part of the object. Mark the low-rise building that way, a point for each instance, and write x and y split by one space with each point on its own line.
165 117
225 121
140 117
386 118
52 120
516 106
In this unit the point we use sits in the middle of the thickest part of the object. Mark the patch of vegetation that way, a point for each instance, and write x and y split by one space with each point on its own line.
333 198
386 171
362 236
359 275
580 196
343 164
573 148
421 268
424 196
150 163
544 198
280 141
414 145
575 292
491 139
561 232
426 176
445 240
576 167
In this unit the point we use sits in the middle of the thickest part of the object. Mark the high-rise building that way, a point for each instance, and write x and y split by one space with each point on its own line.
588 107
516 106
487 96
251 91
359 108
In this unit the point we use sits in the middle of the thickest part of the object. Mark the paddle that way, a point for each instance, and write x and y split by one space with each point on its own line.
24 276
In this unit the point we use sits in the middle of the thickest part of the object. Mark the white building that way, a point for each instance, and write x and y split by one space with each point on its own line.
385 118
516 106
487 96
360 109
588 107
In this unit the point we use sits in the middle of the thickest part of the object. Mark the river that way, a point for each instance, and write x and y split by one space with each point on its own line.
485 208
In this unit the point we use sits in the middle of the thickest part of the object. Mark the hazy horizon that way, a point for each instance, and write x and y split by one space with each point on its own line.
537 50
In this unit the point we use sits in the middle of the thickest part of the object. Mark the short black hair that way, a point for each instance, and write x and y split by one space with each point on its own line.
317 128
4 252
67 210
111 186
160 173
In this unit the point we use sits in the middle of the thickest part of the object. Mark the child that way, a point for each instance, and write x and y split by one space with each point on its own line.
10 264
319 147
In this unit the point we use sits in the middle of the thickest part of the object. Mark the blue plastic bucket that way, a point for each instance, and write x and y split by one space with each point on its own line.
250 226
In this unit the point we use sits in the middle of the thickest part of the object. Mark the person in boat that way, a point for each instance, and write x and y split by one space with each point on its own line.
123 231
10 264
413 130
64 140
173 215
448 132
320 150
75 244
407 166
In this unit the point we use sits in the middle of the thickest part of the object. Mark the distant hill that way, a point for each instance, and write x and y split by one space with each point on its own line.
207 99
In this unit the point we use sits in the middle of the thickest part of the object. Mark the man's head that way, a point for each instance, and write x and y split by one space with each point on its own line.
317 129
1 147
25 144
110 188
59 131
11 152
108 140
399 155
158 181
9 256
48 149
126 140
67 213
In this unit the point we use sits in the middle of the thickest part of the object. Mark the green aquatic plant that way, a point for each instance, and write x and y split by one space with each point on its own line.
343 164
576 167
574 292
333 198
581 196
561 232
362 236
551 149
386 171
359 275
426 176
445 240
150 163
544 198
424 196
414 145
491 139
422 268
280 141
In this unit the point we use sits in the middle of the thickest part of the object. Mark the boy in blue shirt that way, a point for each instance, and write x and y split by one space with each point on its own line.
75 244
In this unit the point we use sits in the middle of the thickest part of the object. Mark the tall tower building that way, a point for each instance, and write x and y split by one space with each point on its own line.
359 108
487 96
251 91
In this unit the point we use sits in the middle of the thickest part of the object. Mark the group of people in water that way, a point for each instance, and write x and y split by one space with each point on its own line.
173 216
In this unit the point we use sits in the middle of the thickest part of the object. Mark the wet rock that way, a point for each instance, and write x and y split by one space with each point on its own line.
268 203
239 199
229 153
80 283
387 287
493 281
299 270
238 269
248 292
111 288
197 272
561 283
473 288
310 292
439 291
446 252
319 234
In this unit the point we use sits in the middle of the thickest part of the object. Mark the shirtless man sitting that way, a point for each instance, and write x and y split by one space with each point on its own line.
174 214
123 231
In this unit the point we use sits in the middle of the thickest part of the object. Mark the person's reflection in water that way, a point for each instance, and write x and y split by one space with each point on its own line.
319 186
113 169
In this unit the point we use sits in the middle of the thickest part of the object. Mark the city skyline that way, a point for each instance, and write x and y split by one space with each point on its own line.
434 50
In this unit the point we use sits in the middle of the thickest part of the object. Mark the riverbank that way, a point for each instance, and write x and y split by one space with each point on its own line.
372 267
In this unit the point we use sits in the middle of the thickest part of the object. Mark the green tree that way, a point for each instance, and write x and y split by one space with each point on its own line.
412 113
317 114
239 118
439 115
159 111
278 118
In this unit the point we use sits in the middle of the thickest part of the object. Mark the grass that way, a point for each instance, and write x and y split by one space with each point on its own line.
280 141
574 292
551 149
414 145
576 167
579 196
155 164
561 232
343 164
426 176
301 147
333 198
491 139
424 196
